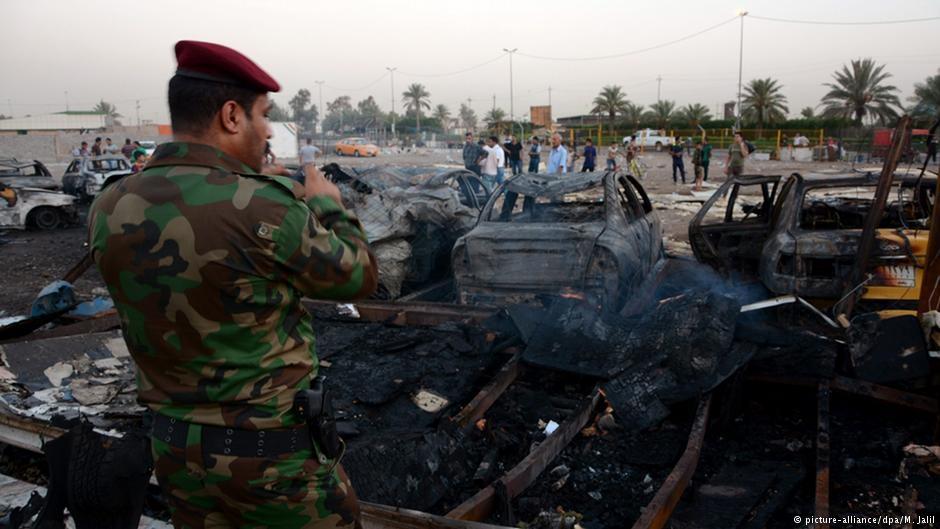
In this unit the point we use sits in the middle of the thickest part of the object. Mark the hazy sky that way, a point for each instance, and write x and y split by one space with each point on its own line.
122 51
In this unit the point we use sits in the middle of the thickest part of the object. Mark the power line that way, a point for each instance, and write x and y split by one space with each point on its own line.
448 74
633 52
365 87
833 23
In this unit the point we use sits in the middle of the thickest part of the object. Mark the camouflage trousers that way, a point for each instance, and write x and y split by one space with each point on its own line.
292 491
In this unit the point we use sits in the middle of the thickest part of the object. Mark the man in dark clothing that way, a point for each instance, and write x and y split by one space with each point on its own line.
127 149
677 163
514 149
706 157
96 148
472 154
535 154
590 156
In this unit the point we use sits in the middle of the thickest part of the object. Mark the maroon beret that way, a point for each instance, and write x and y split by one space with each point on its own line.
221 64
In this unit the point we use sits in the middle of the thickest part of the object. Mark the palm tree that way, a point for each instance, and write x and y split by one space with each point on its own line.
109 110
414 99
611 101
763 102
442 114
808 112
695 114
634 113
494 119
662 111
926 97
860 92
468 117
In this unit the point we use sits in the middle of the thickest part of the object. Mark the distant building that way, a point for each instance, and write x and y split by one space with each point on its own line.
541 115
72 121
586 119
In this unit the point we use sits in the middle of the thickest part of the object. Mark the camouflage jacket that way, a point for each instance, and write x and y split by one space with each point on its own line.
207 262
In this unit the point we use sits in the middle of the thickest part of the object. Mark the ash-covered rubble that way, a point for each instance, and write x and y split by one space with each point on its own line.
412 217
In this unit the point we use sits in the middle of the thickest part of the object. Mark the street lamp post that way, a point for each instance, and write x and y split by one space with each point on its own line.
511 107
737 118
392 108
320 116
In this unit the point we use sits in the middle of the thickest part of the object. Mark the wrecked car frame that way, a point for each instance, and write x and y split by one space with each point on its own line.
593 234
800 234
24 207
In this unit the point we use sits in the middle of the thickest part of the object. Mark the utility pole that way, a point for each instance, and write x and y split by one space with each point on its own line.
549 97
494 101
320 116
392 108
66 100
737 108
138 114
512 115
659 85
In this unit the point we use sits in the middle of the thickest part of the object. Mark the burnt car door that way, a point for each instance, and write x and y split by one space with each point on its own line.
730 234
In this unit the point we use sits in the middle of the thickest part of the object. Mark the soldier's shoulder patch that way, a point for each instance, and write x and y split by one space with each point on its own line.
265 230
287 184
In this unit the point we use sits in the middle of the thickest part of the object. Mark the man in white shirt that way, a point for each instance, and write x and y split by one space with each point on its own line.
308 153
494 160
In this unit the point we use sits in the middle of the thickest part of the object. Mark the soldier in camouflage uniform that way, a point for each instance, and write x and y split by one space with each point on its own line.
207 261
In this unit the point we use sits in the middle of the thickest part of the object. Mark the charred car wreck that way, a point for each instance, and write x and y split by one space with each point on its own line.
592 234
800 234
412 217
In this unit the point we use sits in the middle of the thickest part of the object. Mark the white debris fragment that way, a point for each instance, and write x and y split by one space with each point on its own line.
347 309
58 372
118 347
551 427
108 363
429 402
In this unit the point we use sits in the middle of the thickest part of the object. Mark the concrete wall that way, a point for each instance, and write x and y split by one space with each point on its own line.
57 147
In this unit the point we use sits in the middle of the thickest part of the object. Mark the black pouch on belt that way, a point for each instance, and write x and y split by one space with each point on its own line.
315 407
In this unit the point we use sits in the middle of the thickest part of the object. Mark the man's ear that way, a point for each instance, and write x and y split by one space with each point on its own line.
231 117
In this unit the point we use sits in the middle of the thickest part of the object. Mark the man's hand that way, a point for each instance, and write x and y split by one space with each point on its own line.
316 184
275 169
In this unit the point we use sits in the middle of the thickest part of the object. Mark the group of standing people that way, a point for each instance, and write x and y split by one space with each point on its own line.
488 158
133 151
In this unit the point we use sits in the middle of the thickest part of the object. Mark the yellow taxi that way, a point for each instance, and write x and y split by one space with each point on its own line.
356 147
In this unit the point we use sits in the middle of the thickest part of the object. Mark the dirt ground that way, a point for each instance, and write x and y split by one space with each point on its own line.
32 259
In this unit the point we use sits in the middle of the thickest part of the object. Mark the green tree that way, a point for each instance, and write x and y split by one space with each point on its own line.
442 114
369 113
305 118
109 110
277 112
763 102
494 119
808 112
634 114
415 98
337 111
468 117
611 101
926 98
859 92
694 114
662 112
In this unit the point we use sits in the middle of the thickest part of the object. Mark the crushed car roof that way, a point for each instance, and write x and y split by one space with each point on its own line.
554 184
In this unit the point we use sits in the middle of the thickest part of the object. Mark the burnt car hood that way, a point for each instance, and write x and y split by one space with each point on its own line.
524 256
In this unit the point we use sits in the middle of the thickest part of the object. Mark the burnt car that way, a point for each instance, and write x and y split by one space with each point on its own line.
412 217
31 173
86 177
23 207
800 234
591 235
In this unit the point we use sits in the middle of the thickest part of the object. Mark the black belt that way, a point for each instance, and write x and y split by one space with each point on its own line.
236 442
